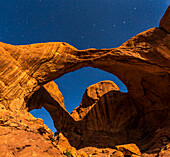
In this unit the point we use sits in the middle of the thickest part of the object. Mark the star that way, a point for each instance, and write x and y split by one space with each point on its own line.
114 25
82 36
102 30
124 22
134 8
94 25
52 18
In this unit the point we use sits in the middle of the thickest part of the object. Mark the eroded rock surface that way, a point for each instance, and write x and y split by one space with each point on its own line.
140 116
22 135
91 97
50 97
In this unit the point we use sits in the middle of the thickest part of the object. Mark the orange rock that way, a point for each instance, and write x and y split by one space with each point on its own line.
82 154
64 145
149 155
118 154
129 149
165 153
93 151
20 135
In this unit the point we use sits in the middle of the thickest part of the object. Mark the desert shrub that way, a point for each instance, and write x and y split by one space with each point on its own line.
68 153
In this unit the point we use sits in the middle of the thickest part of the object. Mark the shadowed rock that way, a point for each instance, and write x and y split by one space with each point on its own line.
91 97
50 97
165 21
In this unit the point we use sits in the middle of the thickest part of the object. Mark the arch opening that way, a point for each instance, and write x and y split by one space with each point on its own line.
45 115
73 85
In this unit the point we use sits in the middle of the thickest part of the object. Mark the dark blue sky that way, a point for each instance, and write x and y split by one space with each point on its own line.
81 23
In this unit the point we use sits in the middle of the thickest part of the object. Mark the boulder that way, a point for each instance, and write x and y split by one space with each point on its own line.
129 149
118 154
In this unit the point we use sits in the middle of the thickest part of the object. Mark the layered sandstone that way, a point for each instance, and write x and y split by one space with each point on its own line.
105 118
91 97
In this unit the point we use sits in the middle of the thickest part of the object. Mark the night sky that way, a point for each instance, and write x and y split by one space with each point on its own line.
81 23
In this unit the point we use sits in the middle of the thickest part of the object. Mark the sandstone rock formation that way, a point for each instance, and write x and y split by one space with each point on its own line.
103 119
103 116
52 100
22 135
91 96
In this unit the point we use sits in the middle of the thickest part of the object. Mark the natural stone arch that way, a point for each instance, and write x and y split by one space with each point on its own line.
134 63
143 74
141 63
73 85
